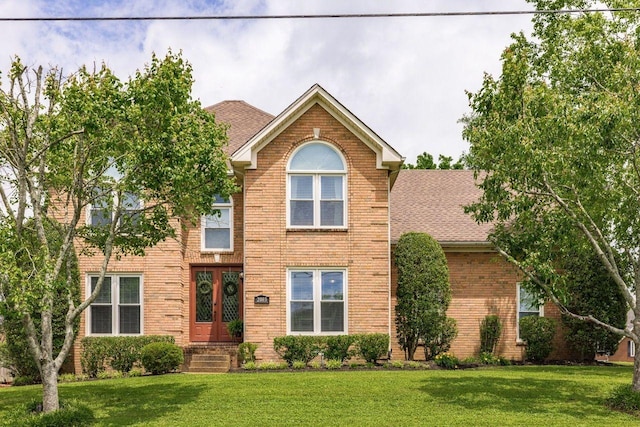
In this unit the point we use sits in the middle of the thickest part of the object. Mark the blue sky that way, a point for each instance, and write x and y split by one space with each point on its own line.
404 77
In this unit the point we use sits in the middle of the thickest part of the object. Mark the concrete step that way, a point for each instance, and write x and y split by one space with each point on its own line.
207 362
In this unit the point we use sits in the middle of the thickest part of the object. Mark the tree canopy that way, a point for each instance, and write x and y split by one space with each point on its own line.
425 161
555 143
138 152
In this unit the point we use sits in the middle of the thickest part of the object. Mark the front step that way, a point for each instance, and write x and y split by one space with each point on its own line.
210 359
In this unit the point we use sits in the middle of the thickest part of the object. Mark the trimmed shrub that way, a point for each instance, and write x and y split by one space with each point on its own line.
623 398
438 337
423 293
71 413
337 347
247 352
372 347
490 330
161 357
537 333
121 353
297 347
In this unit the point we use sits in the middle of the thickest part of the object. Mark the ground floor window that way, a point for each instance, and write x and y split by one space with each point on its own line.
317 301
118 308
528 305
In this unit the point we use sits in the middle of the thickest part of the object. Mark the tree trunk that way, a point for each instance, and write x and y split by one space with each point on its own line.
50 400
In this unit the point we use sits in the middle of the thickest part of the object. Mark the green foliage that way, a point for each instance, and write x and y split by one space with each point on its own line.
297 347
446 361
71 414
247 352
235 328
624 398
25 380
591 290
338 347
333 364
372 347
273 366
121 353
553 141
438 337
490 330
537 332
298 364
425 161
423 293
250 366
161 357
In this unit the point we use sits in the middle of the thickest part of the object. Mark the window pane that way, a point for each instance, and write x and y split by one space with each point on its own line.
301 212
331 187
129 319
302 316
332 316
100 319
129 290
527 301
101 207
221 220
302 187
100 217
220 199
130 201
217 238
316 156
104 297
331 213
302 286
332 286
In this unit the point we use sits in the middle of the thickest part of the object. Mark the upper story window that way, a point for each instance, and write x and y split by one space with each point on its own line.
528 305
316 187
217 229
100 212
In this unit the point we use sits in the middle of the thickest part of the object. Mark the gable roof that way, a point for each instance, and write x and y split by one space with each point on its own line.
244 121
246 156
432 201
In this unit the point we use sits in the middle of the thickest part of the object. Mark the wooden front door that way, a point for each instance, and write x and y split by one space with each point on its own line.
215 299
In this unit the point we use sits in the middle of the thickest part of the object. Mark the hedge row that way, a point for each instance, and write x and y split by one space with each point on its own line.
302 348
120 353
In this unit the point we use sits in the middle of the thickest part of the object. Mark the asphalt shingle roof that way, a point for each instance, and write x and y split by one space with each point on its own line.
432 201
244 121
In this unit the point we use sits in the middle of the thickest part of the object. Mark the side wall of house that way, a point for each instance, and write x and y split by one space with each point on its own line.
482 283
271 248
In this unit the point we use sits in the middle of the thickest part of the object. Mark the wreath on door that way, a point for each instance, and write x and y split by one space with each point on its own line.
204 287
230 288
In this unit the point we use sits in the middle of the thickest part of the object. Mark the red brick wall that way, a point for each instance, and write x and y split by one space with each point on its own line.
270 248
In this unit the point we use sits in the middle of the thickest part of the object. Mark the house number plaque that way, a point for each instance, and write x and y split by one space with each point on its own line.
261 299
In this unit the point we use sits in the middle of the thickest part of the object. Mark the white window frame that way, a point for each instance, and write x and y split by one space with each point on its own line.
89 209
540 311
115 304
631 348
317 300
203 228
317 177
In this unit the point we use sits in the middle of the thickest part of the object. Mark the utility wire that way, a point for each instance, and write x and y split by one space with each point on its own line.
319 16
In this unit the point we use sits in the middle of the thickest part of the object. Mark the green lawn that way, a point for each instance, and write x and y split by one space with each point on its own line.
530 395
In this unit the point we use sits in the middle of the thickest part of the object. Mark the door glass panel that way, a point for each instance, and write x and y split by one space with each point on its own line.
230 296
204 296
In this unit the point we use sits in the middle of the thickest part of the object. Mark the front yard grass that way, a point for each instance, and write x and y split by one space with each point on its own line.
517 395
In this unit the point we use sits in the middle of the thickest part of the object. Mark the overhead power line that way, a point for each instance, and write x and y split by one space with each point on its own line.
318 16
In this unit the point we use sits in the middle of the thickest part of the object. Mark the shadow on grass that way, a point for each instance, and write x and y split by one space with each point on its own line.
122 403
517 395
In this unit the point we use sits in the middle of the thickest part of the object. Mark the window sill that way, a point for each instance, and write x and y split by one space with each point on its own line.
316 230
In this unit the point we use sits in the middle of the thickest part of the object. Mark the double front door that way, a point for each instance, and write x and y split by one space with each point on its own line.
215 300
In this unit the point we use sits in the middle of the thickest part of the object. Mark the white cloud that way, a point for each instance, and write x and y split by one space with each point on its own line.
404 77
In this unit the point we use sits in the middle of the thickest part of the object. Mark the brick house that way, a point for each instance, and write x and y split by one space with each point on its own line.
306 246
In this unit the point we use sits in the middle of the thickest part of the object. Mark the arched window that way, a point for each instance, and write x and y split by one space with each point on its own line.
217 229
316 187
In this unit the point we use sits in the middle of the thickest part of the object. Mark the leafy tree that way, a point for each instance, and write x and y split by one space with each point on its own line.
590 289
423 295
555 142
425 161
67 143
